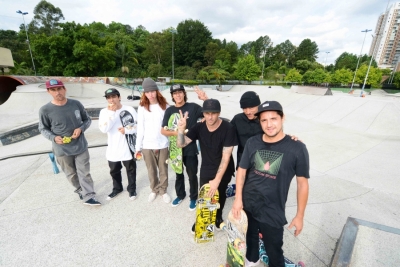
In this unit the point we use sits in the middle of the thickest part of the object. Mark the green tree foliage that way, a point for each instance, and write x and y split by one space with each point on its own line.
155 70
247 69
396 79
211 53
191 40
185 73
374 76
317 76
203 76
16 43
342 76
307 50
47 18
346 61
293 76
233 50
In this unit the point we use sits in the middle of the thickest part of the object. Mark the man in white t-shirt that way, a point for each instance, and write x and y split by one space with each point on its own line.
118 149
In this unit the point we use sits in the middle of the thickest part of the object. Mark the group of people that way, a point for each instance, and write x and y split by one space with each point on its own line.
267 159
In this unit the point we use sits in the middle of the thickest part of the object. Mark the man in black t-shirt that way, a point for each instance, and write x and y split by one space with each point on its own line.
217 139
189 152
271 160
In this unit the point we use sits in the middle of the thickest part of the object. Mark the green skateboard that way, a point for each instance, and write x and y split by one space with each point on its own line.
175 153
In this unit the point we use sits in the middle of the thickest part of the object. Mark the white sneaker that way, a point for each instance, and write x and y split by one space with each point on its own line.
248 263
152 196
166 198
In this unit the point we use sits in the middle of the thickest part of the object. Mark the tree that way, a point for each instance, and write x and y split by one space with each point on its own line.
47 18
191 40
293 76
203 75
233 50
396 79
247 69
211 53
346 61
342 76
374 75
185 72
317 76
307 50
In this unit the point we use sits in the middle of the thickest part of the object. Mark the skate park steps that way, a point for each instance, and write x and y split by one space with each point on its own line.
363 243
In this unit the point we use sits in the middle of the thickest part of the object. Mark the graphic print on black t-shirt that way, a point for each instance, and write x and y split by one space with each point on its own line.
267 163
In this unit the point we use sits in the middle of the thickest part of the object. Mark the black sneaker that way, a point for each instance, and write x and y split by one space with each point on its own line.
79 192
113 195
132 195
193 229
218 223
92 202
80 195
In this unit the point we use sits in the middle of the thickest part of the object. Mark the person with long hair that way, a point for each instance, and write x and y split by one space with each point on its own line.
150 142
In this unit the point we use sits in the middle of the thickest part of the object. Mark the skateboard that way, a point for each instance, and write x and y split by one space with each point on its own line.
175 153
128 121
231 190
236 248
264 257
206 215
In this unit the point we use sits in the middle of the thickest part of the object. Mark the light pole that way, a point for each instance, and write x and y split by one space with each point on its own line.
173 31
326 58
358 61
369 66
27 38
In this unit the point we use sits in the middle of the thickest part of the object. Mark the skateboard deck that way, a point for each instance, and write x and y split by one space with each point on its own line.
264 257
236 248
175 153
206 214
128 122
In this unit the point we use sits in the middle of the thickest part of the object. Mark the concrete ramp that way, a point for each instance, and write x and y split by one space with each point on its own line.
311 90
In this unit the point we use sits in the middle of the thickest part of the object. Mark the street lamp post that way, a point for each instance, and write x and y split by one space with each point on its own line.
354 77
369 66
173 31
326 58
27 38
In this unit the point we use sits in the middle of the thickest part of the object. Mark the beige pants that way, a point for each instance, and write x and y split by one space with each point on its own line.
157 169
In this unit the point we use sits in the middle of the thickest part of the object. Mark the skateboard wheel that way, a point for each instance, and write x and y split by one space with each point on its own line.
165 127
167 161
236 242
222 225
301 264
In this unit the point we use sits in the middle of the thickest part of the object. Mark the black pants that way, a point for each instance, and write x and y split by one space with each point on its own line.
191 163
272 238
115 171
222 191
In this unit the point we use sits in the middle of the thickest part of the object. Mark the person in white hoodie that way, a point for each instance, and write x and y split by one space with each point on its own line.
118 149
150 142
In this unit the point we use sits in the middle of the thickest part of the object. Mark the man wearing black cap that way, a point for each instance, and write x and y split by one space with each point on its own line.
63 121
189 152
271 160
118 149
246 124
217 138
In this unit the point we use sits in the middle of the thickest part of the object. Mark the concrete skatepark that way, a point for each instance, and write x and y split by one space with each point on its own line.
353 144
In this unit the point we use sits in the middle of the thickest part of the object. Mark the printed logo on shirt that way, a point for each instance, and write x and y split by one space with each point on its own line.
267 163
78 115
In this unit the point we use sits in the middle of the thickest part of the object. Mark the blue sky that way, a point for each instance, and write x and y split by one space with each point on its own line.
334 25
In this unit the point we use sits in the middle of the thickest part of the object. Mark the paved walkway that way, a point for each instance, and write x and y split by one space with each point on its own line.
353 144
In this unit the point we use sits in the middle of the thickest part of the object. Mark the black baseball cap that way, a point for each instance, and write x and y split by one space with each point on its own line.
176 87
269 106
211 105
111 91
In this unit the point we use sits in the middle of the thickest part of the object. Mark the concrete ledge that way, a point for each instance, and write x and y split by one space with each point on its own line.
311 90
344 254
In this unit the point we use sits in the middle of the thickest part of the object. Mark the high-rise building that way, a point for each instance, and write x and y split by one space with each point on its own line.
385 47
